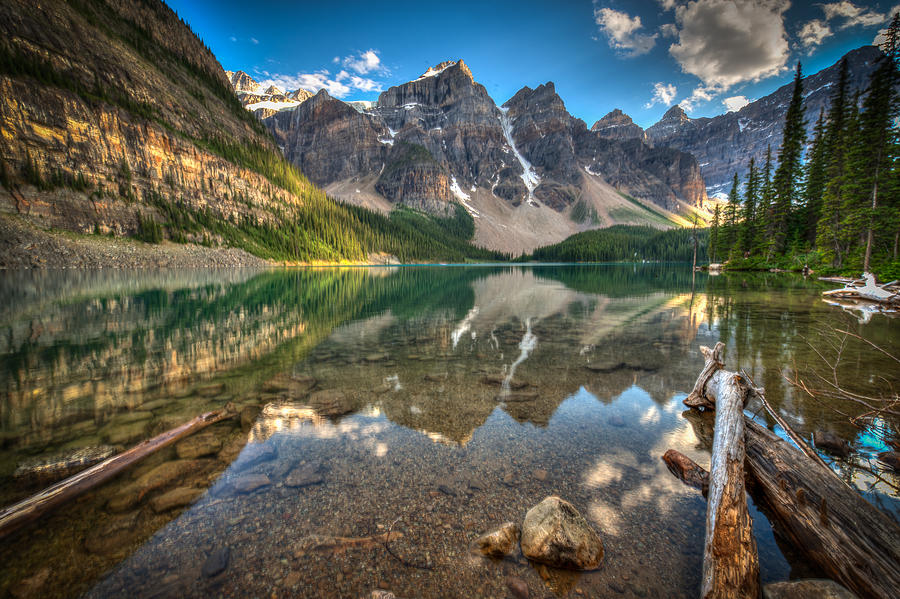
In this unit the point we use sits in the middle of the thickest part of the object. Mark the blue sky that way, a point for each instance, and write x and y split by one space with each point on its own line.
640 56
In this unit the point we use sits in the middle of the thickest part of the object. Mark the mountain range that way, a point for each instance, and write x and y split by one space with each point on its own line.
528 172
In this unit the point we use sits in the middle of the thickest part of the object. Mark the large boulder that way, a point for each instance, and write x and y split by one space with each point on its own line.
554 533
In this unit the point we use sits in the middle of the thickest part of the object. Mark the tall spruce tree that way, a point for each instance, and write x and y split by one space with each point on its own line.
731 218
765 205
877 142
785 183
715 230
829 234
747 231
816 173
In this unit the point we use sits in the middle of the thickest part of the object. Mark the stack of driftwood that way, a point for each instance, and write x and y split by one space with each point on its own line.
845 536
864 294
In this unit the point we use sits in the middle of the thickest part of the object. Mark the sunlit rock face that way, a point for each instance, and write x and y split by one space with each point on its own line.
130 127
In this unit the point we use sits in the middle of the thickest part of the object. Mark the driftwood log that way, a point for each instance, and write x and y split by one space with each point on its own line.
34 507
730 560
852 541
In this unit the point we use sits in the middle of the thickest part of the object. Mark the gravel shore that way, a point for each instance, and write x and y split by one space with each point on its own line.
24 245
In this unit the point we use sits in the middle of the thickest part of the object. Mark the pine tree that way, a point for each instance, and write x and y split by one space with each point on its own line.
731 218
747 232
714 233
838 136
816 167
765 204
787 175
877 147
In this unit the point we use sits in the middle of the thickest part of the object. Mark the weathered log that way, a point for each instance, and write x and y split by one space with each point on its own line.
851 540
39 504
847 537
730 560
686 469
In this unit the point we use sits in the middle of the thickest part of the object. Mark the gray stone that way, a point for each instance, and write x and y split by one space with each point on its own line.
216 562
179 497
499 542
198 445
813 588
554 533
248 483
304 475
518 587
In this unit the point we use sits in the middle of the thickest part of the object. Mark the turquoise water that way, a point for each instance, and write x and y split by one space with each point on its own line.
433 402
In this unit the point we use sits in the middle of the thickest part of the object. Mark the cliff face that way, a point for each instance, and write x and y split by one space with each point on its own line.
529 153
724 145
111 111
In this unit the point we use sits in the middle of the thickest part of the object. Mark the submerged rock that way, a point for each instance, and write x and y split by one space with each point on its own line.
179 497
216 562
554 533
250 482
304 475
198 445
499 542
830 442
60 465
330 402
813 588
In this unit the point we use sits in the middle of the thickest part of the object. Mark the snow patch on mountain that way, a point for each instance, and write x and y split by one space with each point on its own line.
529 175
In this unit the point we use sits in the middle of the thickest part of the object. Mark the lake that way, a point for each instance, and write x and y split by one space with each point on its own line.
433 402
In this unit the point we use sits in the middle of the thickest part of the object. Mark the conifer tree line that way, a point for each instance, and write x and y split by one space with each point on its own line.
835 206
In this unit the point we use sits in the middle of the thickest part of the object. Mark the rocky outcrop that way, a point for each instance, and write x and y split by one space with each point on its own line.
724 145
554 533
618 125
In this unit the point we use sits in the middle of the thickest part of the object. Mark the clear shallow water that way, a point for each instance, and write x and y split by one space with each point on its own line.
433 402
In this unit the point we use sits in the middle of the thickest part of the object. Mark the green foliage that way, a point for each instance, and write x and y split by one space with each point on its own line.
582 213
624 243
148 229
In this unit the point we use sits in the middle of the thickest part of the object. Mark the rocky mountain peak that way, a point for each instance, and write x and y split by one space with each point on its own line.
242 82
676 113
618 125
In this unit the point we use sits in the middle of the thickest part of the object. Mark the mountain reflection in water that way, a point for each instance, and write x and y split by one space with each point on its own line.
443 400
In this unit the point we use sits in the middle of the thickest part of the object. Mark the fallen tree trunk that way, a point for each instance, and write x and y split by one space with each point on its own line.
34 507
847 537
851 540
690 473
730 560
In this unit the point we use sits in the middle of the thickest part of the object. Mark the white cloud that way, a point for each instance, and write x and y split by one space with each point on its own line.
667 4
338 85
668 30
254 40
851 14
700 94
814 33
364 62
725 42
663 93
232 38
735 103
336 60
622 32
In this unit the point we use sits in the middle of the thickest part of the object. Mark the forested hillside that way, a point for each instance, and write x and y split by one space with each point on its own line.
838 206
626 243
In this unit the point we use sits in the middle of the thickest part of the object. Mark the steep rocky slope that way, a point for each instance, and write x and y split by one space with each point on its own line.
112 109
528 172
725 144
